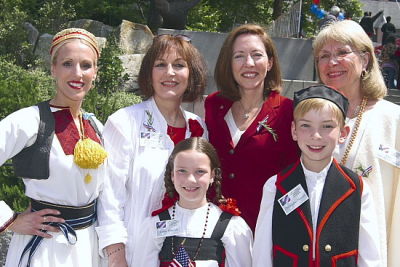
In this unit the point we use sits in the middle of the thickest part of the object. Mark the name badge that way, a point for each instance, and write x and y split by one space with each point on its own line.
150 139
293 199
167 228
389 154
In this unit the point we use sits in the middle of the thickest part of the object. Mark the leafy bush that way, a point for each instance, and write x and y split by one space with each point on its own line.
21 87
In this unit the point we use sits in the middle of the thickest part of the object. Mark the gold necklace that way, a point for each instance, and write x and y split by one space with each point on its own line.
246 113
355 130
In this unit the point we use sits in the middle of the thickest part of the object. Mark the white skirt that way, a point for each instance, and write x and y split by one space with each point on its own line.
57 251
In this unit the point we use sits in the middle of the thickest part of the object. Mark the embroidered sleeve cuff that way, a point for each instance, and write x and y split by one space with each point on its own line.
111 234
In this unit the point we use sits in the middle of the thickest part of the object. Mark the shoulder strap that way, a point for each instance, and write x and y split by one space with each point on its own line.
96 129
221 225
164 215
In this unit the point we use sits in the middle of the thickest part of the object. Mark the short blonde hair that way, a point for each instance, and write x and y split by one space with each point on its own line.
317 104
350 33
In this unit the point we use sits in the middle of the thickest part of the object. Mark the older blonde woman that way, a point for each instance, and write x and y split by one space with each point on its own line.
344 56
46 143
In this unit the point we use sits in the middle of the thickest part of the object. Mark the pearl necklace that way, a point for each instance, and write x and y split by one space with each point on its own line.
202 237
355 130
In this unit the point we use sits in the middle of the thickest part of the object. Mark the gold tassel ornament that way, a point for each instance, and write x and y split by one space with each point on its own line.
88 154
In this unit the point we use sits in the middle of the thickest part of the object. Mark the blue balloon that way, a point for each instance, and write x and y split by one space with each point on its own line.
341 16
314 8
320 14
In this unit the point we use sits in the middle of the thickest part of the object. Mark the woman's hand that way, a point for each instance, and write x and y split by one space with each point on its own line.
116 255
32 223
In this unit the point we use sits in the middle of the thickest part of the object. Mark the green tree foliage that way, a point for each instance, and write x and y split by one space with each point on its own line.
223 15
13 41
352 10
21 87
53 16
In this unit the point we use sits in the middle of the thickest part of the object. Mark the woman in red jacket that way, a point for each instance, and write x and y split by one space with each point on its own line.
248 120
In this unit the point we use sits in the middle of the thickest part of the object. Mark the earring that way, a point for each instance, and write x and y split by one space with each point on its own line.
363 73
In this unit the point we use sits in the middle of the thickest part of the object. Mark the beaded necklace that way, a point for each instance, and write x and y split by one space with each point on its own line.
202 237
355 130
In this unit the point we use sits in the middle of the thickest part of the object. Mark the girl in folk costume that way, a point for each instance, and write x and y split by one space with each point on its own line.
139 140
56 149
189 230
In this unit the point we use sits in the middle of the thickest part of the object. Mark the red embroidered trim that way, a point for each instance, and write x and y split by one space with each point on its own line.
230 206
67 133
167 203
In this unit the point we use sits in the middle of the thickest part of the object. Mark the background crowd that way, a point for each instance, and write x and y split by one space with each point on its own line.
96 195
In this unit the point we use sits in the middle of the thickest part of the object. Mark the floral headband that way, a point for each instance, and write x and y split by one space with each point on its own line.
74 33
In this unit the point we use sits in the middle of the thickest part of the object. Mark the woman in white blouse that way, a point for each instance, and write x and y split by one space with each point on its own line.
140 138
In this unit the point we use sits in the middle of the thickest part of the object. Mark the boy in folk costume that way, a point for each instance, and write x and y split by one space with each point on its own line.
317 212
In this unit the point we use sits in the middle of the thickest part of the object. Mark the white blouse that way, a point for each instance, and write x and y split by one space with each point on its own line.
138 145
236 133
368 243
237 239
65 186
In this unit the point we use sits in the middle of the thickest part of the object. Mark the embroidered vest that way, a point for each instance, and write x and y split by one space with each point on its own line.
211 249
33 161
337 225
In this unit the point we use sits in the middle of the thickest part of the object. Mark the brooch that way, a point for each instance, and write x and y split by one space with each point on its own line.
264 124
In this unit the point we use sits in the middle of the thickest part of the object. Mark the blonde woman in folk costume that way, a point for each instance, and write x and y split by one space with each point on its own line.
56 149
345 60
139 140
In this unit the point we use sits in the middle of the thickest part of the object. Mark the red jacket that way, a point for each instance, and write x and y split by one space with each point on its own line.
257 156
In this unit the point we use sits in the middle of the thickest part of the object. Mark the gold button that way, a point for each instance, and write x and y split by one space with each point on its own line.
231 175
232 151
305 248
328 248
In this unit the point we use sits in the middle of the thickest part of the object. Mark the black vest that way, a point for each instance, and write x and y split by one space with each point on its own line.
211 249
33 161
337 225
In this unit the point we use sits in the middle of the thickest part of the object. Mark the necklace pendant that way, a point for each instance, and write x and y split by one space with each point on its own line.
246 116
88 178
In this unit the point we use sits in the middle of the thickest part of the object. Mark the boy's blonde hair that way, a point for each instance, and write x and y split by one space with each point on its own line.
317 104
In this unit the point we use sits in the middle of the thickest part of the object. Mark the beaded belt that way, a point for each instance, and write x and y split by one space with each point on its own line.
75 218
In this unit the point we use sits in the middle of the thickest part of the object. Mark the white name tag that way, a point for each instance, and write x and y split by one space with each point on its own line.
167 228
389 154
293 199
150 139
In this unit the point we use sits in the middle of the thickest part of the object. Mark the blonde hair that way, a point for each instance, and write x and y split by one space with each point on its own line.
351 33
317 104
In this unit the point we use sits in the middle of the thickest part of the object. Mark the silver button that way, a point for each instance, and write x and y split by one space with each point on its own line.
232 151
328 248
231 175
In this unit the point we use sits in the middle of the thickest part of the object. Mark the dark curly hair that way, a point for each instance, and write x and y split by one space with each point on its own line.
201 145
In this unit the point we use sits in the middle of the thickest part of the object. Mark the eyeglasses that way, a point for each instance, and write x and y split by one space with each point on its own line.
339 55
242 58
183 37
